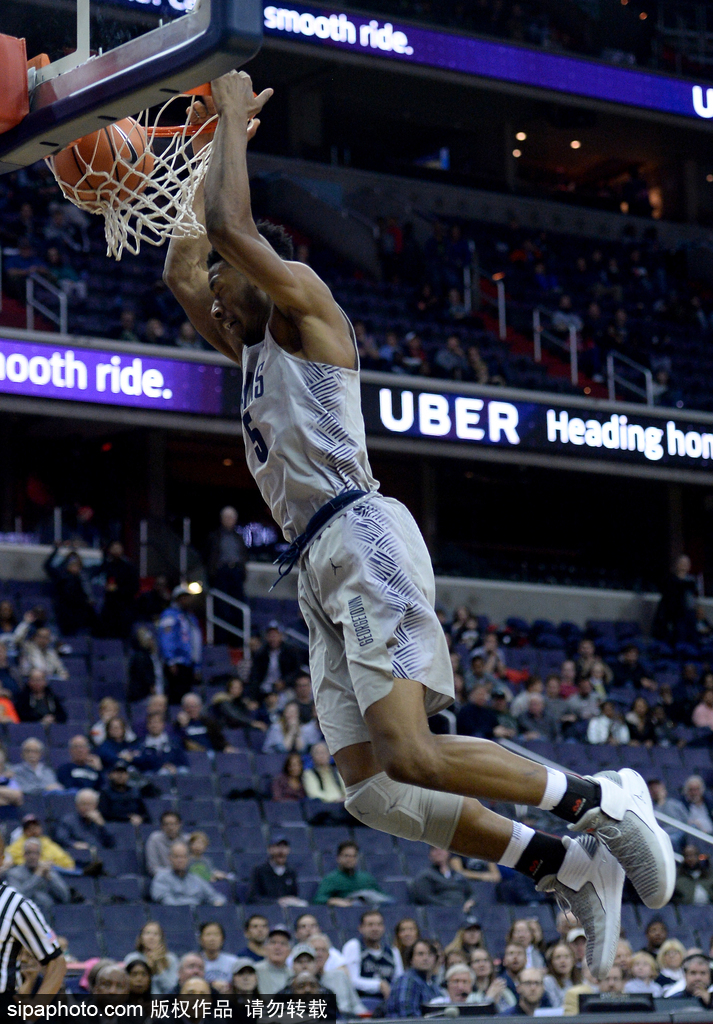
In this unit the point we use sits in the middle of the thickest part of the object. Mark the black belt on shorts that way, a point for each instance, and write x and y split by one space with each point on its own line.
289 558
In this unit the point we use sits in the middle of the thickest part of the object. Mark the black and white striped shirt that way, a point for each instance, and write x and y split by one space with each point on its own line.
22 924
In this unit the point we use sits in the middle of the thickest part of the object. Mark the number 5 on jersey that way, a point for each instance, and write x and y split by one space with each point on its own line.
258 441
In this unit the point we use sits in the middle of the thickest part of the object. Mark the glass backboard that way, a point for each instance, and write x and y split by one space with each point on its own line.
112 58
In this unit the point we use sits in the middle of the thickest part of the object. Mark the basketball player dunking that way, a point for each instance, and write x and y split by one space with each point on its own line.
378 656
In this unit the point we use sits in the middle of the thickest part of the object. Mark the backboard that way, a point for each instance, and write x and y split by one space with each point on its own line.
113 58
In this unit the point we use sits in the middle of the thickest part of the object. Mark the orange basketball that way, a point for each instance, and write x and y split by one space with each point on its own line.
95 165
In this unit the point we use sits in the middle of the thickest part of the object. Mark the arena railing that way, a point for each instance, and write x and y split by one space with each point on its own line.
213 619
33 304
614 378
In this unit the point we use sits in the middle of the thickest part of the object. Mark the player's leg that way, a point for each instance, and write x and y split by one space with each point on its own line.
582 872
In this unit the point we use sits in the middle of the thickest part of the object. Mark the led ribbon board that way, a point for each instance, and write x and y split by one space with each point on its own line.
540 426
325 27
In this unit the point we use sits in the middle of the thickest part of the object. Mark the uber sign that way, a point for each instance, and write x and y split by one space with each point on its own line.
539 425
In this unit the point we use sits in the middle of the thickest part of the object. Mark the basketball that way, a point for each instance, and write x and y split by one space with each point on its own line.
91 168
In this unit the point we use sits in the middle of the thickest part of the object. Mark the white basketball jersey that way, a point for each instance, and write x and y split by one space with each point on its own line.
304 432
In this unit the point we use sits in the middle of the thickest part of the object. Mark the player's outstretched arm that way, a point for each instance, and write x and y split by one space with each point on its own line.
297 292
185 270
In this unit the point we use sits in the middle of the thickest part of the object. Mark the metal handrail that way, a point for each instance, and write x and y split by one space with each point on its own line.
296 635
571 347
682 826
472 275
613 378
32 303
213 620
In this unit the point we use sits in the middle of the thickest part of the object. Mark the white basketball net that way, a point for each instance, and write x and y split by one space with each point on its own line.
149 207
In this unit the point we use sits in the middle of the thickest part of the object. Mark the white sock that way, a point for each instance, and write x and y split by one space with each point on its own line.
554 790
519 840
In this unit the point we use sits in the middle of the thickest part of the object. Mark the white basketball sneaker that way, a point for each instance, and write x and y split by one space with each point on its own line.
625 823
589 883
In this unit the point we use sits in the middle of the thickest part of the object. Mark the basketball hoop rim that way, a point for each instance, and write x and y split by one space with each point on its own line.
168 131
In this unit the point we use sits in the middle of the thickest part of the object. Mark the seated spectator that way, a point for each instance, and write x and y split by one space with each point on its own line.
538 723
336 981
195 987
32 775
108 708
476 717
188 337
669 959
530 992
458 984
522 932
694 881
157 850
488 988
582 706
415 361
244 982
287 786
145 667
417 985
40 653
629 670
176 886
638 720
564 318
139 974
643 974
341 886
520 703
698 803
439 886
702 716
514 961
49 850
36 878
322 781
554 701
371 962
275 881
696 981
118 801
196 730
272 972
155 332
20 267
306 926
608 726
656 934
561 973
470 934
36 701
159 752
288 733
200 863
219 965
151 944
450 361
84 829
83 768
233 709
11 796
477 370
9 677
303 984
255 932
493 655
275 660
116 746
304 697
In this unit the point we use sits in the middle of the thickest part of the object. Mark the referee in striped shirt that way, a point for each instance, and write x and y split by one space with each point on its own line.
22 924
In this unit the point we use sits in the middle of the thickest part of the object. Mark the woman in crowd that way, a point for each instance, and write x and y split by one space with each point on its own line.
641 732
288 733
608 726
163 964
322 781
669 960
406 934
108 708
116 745
233 709
139 972
287 786
521 933
468 938
487 988
561 974
244 984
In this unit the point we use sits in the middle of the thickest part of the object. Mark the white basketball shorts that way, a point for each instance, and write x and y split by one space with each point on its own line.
366 591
